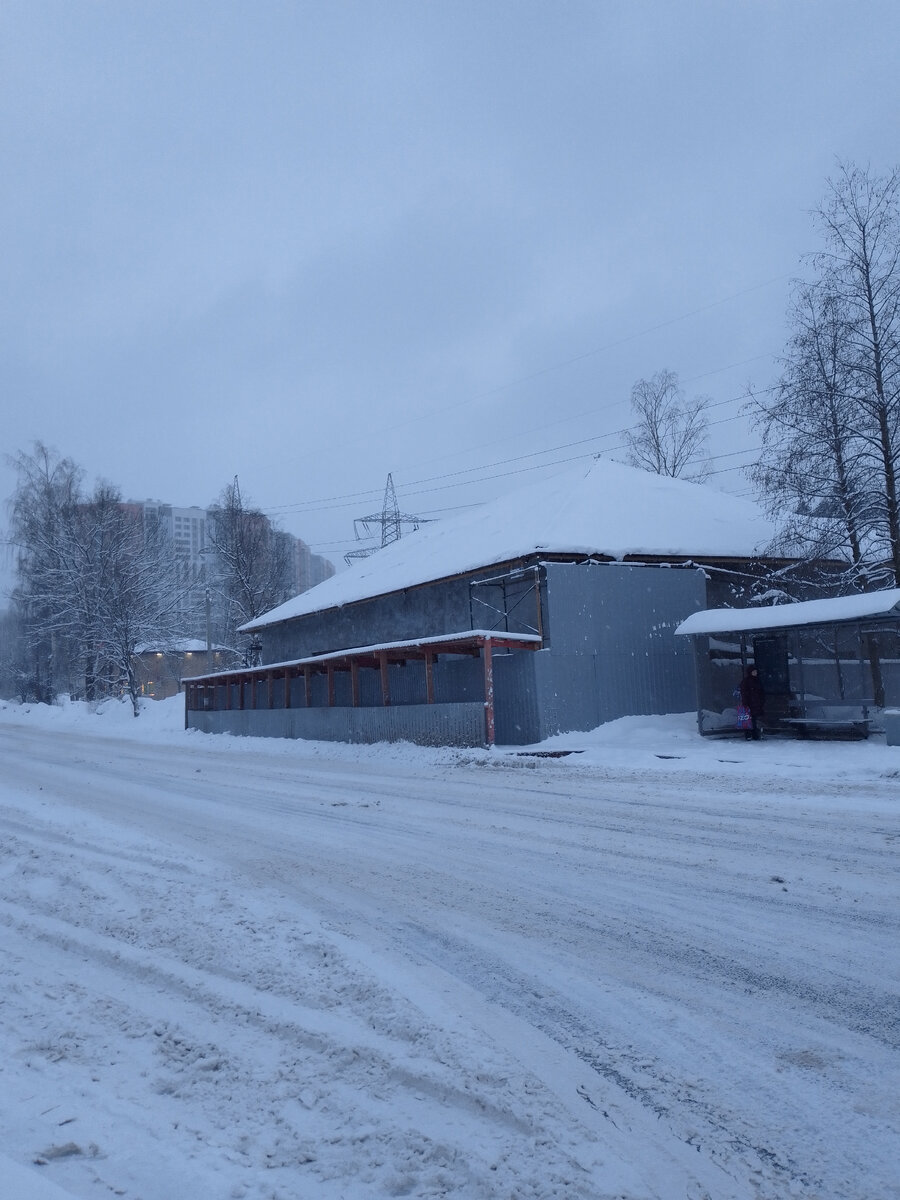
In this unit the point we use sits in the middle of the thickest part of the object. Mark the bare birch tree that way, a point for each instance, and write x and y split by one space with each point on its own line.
252 559
861 266
134 589
670 437
93 580
811 474
831 434
48 490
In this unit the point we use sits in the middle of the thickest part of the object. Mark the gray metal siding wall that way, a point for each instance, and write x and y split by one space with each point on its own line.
622 617
429 611
423 724
538 693
567 684
516 714
421 612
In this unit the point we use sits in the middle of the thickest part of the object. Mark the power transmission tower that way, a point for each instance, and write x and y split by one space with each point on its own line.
391 521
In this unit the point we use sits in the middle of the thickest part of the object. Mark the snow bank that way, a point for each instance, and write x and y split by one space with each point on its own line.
668 743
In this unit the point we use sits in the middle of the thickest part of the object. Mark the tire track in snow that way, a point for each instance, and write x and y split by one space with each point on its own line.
678 1106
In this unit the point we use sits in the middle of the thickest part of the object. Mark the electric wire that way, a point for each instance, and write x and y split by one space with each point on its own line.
350 499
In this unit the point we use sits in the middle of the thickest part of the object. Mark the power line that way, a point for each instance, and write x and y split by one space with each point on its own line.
579 458
727 367
349 499
624 340
346 500
434 512
483 395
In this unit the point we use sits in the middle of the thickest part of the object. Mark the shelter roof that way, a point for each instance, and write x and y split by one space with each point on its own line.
604 509
865 606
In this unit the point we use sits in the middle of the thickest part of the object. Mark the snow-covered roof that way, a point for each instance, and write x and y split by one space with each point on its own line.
787 616
394 651
605 508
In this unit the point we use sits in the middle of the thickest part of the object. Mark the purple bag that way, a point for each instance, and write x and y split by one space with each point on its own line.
744 720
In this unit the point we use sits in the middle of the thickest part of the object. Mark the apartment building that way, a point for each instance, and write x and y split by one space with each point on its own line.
189 531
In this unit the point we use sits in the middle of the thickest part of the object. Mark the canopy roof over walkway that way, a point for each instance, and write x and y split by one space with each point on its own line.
226 690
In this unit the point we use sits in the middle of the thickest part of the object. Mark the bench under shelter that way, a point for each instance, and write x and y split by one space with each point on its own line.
829 667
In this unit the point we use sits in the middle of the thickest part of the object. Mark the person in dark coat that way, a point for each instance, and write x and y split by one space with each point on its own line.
753 697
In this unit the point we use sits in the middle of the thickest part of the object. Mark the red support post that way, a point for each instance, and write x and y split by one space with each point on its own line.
385 682
429 677
537 592
488 693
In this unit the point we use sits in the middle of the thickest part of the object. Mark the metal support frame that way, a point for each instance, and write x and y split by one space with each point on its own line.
502 614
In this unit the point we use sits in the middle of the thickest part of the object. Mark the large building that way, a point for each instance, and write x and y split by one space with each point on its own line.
189 532
307 569
552 609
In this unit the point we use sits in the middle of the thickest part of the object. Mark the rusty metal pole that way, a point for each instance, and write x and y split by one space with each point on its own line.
385 682
488 692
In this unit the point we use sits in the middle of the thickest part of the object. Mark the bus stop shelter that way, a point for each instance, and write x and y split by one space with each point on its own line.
828 667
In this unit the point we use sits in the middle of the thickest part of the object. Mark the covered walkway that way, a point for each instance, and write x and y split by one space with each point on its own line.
291 685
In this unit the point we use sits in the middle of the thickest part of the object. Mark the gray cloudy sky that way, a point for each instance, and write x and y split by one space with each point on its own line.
311 243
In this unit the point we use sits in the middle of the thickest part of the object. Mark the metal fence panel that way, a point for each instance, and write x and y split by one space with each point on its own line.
423 724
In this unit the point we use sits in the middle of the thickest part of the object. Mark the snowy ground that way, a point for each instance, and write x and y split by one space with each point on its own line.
246 970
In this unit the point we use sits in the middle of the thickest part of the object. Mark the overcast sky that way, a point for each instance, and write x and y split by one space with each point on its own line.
311 243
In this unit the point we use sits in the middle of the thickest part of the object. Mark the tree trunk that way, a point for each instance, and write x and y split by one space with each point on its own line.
134 690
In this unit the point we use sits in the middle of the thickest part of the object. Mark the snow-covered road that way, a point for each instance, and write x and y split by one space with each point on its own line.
257 970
